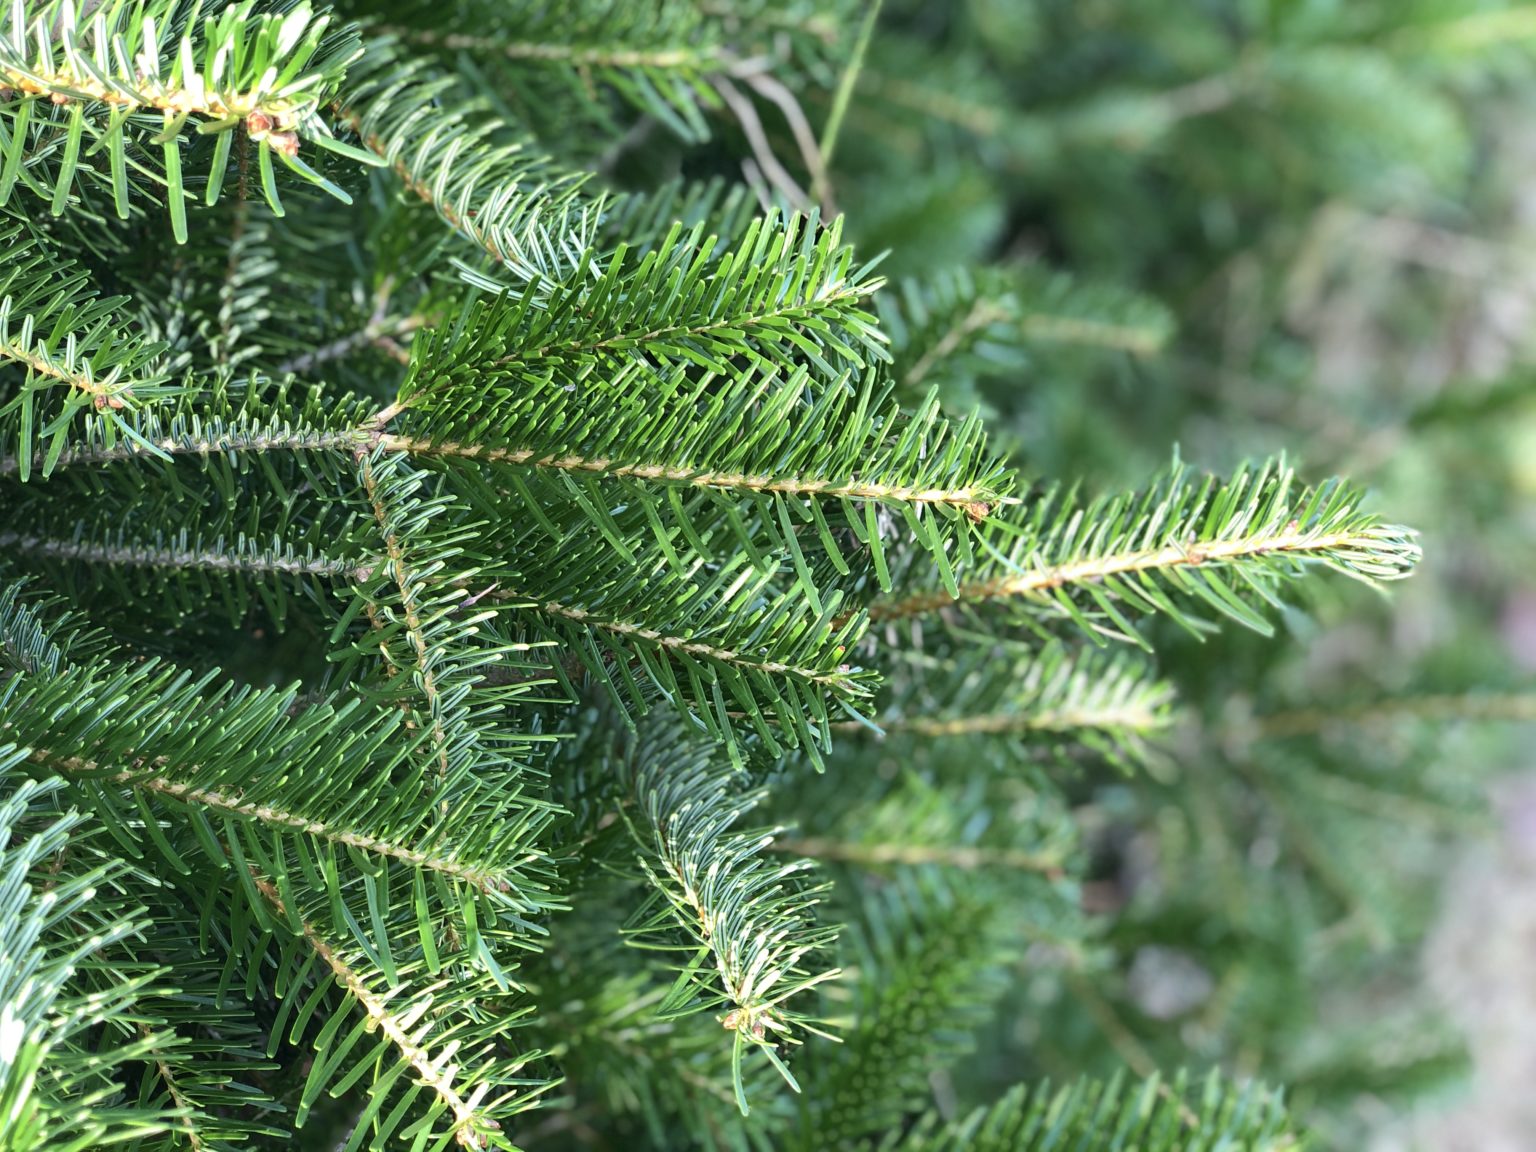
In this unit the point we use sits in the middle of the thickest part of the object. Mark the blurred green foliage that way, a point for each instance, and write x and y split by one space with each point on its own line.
1330 201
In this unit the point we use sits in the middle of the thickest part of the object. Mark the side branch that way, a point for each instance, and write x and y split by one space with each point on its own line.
468 1124
975 502
232 805
345 440
1137 717
1039 581
1138 341
107 391
680 644
982 314
142 556
954 856
700 59
400 573
134 95
793 310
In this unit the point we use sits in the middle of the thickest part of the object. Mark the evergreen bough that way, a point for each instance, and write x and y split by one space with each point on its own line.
437 573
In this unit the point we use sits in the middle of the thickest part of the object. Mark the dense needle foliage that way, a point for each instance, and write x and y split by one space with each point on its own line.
514 634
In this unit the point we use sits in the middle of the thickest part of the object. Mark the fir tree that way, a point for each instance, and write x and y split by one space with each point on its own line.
510 637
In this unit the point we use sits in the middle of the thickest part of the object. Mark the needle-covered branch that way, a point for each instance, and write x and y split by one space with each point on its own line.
438 1048
1222 544
684 621
1109 701
320 782
789 292
960 324
742 925
82 363
127 77
488 179
55 1065
1157 1116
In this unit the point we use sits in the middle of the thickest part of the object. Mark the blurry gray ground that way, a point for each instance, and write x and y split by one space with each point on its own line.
1481 962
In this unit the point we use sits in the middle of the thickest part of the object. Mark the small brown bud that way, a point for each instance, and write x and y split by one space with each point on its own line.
285 142
59 98
258 124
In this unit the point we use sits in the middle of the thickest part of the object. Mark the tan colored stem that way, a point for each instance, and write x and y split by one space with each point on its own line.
1120 563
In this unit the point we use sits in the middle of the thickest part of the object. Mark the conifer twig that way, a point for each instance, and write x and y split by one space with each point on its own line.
1292 542
432 1072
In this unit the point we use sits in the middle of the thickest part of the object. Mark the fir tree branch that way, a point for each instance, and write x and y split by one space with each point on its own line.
322 772
56 1059
88 64
985 119
507 202
1134 717
965 856
143 776
204 442
266 72
1094 562
1153 1115
840 680
381 331
1109 701
788 293
219 556
917 1001
1097 569
55 328
472 1126
399 571
184 1105
684 617
966 497
960 323
1138 341
982 314
707 58
748 925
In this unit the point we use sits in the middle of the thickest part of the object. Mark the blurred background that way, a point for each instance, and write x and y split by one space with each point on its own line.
1243 227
